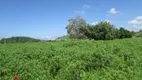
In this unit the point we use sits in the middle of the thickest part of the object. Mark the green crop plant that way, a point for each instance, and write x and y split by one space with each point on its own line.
72 60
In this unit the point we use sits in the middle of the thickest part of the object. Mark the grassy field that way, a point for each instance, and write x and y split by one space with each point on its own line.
72 60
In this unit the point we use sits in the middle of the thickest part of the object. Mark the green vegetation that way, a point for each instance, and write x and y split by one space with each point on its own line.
63 38
72 60
79 29
138 34
18 40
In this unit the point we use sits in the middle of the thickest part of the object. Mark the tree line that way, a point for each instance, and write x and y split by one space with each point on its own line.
79 29
21 39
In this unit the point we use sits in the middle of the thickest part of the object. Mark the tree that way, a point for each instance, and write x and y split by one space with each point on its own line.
79 29
116 33
125 33
101 31
74 26
18 40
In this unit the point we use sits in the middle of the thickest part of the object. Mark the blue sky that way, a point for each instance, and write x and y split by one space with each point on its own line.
46 19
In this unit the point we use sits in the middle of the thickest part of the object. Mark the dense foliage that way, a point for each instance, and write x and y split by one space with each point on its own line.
72 60
18 40
79 29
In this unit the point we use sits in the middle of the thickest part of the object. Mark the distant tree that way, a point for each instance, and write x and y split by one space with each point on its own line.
73 28
122 33
18 40
104 30
79 29
140 31
101 31
125 33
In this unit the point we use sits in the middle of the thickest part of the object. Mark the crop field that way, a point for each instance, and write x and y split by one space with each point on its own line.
72 60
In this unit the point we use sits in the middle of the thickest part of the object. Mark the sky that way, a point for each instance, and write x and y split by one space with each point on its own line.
47 19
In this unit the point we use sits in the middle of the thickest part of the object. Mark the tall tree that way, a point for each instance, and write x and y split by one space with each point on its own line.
103 31
74 26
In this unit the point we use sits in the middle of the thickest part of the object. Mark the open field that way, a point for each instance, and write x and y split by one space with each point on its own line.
72 60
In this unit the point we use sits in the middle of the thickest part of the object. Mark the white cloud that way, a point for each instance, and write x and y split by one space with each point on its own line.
136 23
82 11
109 21
133 28
138 18
79 12
86 6
94 23
113 11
